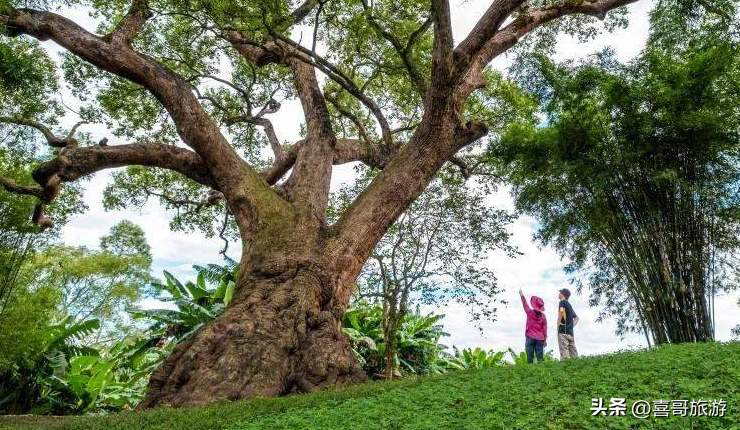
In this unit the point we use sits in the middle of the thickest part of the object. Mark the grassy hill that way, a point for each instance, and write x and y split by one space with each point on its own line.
549 396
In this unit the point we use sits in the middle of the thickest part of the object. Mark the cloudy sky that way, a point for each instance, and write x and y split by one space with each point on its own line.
538 271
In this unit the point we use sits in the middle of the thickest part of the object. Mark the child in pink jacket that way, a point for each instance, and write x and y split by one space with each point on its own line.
536 332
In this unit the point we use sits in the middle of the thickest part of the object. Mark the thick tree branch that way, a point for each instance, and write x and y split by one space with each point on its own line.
74 163
345 151
465 170
484 30
404 177
73 130
349 150
266 124
308 184
129 27
252 51
439 136
441 133
442 48
416 35
297 15
260 55
302 11
280 167
439 112
238 181
475 52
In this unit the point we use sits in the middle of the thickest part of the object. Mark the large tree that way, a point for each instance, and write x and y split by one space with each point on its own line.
399 96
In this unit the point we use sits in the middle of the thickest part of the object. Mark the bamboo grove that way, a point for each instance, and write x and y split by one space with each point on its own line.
635 180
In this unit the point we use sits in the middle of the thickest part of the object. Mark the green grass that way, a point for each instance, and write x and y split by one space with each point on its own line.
548 396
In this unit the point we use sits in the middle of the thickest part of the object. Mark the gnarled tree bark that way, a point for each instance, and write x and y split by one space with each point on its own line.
281 335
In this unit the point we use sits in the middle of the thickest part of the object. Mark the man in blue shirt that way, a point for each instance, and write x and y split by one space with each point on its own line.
567 318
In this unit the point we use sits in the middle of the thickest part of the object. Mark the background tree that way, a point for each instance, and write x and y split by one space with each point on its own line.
634 178
153 71
26 83
127 238
435 253
15 244
28 315
26 312
56 288
98 284
736 329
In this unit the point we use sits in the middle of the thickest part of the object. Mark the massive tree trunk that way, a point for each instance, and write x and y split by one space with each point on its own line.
281 334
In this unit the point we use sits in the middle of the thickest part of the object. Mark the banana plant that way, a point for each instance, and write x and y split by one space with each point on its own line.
105 381
190 305
520 359
418 343
418 350
477 358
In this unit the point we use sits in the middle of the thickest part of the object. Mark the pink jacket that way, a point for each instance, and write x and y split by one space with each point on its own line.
536 321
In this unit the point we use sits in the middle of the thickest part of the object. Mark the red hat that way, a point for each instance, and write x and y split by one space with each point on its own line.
537 303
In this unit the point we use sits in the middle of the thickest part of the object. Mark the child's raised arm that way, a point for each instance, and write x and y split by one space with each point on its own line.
524 302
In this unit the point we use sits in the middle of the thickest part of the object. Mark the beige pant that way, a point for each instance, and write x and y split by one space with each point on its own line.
567 346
